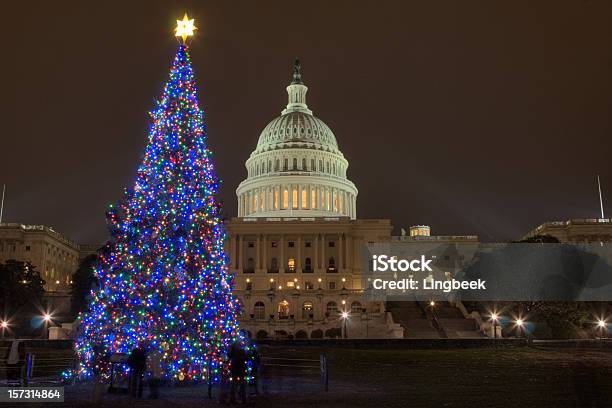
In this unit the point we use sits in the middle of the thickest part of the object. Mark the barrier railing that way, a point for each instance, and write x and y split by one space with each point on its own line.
298 366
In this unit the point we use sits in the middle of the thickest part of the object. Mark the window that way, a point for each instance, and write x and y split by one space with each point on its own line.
303 164
249 285
313 199
294 163
283 310
321 165
294 198
331 285
308 285
312 165
307 265
27 248
304 199
291 244
273 265
331 244
276 199
259 311
291 265
307 244
285 199
331 265
250 267
332 308
274 244
307 309
251 244
291 284
356 308
286 165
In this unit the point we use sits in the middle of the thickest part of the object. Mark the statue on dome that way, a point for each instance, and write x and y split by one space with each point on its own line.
297 74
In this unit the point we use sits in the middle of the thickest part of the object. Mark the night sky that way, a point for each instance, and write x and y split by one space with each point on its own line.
474 117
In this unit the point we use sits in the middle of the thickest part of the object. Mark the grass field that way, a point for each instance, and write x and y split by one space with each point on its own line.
467 378
521 377
524 377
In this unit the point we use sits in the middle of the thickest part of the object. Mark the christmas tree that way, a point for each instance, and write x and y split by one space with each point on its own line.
163 276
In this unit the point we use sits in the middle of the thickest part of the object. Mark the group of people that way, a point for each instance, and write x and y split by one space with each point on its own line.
140 362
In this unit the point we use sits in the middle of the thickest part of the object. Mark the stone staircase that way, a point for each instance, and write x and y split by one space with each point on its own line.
412 317
455 325
420 321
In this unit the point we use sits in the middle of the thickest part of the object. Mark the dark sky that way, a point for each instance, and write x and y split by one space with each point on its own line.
474 117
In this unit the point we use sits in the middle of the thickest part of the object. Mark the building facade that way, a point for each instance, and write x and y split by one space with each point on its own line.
55 257
576 231
297 249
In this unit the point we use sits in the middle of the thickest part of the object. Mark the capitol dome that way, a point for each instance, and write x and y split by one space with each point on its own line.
297 169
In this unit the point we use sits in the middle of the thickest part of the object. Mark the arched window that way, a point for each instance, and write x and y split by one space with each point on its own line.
291 265
303 164
277 165
295 163
332 308
259 311
307 309
286 165
331 265
356 308
283 309
307 265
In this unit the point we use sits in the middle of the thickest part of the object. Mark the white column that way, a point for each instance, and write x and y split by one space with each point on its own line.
282 262
264 251
240 253
340 257
316 253
257 249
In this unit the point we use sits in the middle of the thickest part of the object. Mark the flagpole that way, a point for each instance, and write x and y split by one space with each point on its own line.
600 199
2 203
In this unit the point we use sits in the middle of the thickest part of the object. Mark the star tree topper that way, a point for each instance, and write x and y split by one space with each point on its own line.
185 28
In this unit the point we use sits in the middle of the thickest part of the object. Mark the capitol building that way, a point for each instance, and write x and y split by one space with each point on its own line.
295 248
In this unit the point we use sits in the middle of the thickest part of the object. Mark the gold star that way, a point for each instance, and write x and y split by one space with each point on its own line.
184 28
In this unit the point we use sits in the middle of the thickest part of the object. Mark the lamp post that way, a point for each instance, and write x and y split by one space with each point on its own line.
46 320
3 326
345 317
494 318
520 323
602 325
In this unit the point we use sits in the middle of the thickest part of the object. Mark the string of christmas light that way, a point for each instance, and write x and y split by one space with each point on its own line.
163 277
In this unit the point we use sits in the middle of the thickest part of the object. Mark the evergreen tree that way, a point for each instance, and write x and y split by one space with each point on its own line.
163 276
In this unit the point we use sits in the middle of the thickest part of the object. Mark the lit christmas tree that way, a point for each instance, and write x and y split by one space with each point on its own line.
163 277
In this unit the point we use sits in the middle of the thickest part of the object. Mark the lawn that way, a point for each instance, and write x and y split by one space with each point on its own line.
516 377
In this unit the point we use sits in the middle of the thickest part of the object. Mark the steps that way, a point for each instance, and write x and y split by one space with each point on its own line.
419 322
411 316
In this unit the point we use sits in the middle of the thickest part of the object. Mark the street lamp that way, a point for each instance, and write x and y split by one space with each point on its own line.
46 317
494 319
4 325
602 325
345 317
520 323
